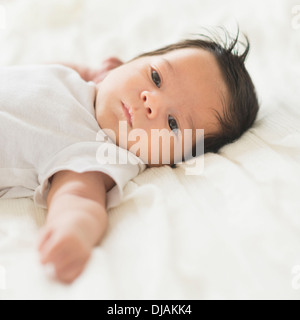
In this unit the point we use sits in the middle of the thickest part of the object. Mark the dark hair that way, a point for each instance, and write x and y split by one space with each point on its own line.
240 112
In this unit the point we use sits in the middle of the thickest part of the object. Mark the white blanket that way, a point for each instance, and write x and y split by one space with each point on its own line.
232 232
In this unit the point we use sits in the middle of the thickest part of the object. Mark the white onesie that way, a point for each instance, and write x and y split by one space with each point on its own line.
48 124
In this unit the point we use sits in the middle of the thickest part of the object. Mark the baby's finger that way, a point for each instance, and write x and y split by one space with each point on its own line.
44 236
71 271
53 250
61 261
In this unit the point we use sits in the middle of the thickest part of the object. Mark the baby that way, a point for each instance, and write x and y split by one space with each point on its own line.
51 115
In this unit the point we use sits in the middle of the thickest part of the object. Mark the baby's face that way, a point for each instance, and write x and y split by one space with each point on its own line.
177 90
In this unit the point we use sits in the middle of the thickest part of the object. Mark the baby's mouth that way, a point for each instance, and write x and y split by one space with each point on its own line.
128 113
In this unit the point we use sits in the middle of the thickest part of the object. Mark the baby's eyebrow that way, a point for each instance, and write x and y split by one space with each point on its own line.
167 62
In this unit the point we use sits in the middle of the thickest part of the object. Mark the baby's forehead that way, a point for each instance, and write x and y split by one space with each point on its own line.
187 53
190 54
193 61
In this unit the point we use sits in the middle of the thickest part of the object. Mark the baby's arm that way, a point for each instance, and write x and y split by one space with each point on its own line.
96 75
76 222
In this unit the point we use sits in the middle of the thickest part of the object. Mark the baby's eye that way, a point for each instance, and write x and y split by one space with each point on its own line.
173 124
156 78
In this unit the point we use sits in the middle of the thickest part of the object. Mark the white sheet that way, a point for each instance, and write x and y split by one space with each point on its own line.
232 232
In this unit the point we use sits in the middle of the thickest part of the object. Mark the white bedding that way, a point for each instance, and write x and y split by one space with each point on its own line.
232 232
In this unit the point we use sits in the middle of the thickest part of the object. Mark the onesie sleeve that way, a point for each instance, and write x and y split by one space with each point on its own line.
86 157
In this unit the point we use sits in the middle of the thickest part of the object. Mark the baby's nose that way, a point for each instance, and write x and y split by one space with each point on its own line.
149 104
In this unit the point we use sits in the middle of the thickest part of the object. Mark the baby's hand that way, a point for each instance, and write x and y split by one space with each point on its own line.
96 75
76 222
107 65
66 248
